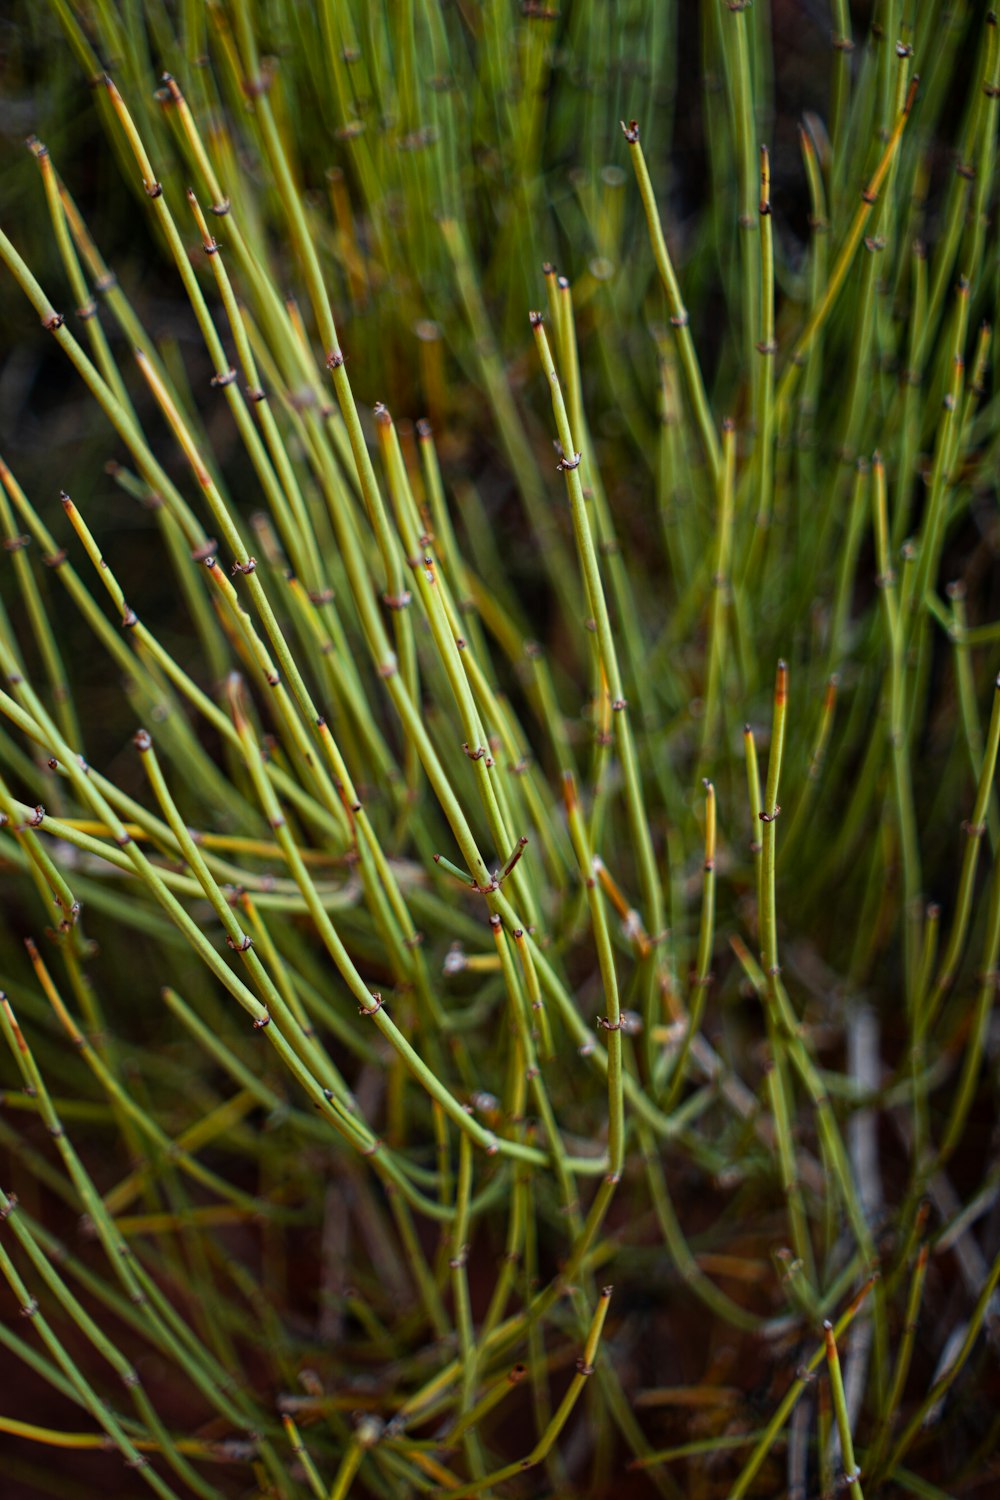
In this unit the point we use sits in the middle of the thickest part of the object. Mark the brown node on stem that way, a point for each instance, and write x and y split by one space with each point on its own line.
253 88
631 131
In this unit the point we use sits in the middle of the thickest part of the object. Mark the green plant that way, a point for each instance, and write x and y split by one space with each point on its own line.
438 951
